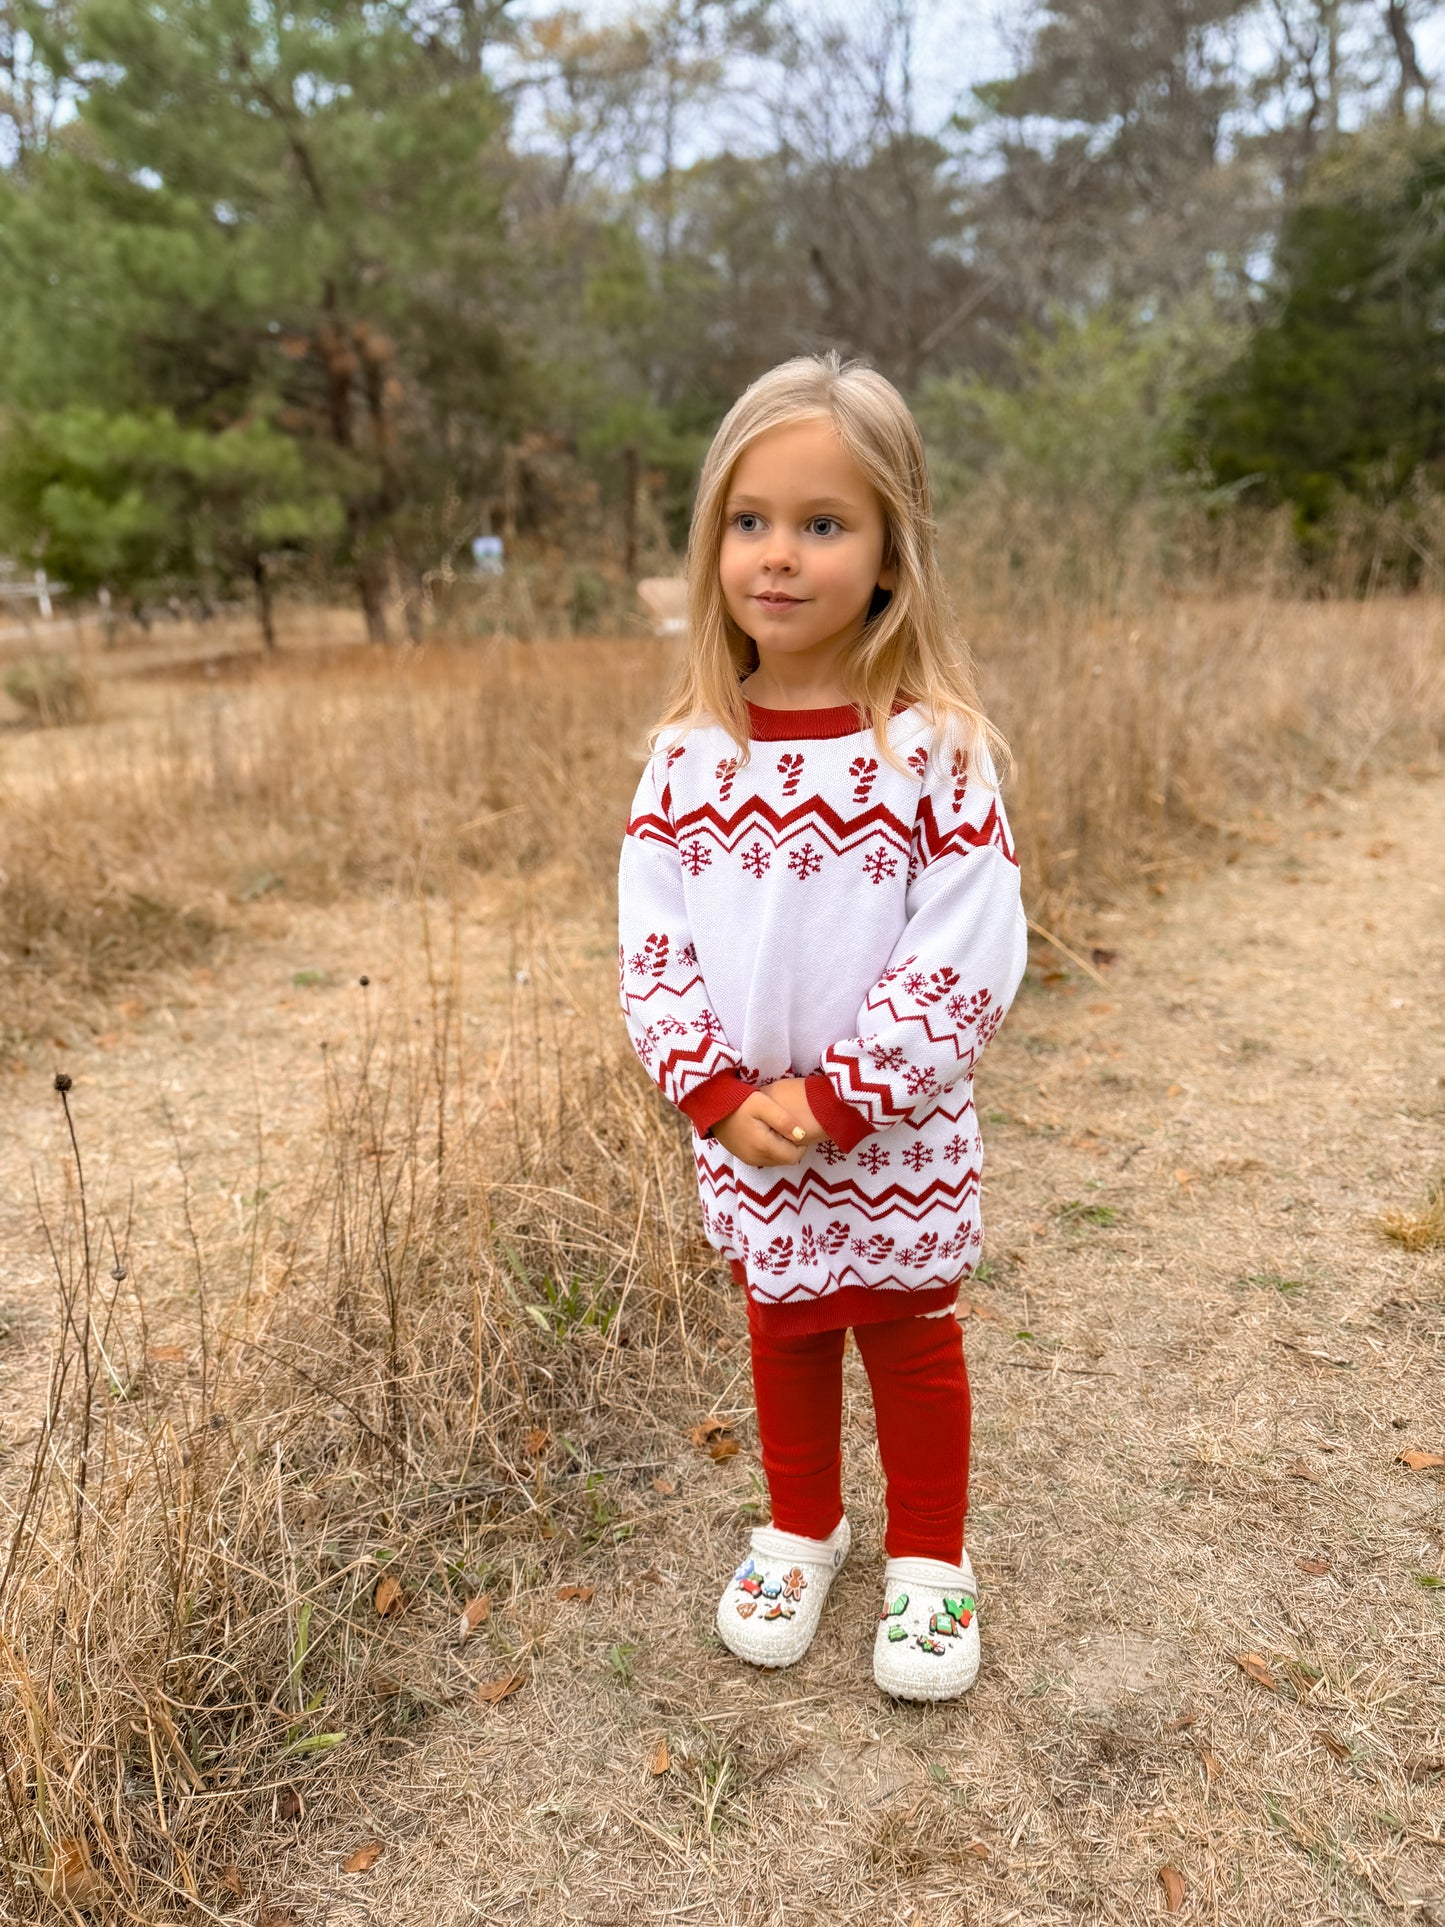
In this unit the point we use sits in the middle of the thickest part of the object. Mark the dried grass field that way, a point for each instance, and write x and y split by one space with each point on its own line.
358 1561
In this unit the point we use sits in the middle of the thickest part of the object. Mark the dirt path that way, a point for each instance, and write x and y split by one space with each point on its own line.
1194 1362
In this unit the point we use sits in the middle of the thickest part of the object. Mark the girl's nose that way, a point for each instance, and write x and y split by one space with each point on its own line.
780 557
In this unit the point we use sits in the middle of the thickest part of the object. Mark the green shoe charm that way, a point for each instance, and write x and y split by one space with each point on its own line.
900 1604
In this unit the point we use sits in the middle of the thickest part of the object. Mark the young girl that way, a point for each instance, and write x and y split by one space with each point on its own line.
821 929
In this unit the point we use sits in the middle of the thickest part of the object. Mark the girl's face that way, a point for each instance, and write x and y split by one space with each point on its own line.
802 548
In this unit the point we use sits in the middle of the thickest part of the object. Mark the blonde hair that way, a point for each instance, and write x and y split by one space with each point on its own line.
910 650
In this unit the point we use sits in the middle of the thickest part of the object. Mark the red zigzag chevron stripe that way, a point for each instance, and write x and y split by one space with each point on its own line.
844 1194
814 814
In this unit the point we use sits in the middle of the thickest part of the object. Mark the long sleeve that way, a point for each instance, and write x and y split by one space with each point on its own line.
671 1023
954 969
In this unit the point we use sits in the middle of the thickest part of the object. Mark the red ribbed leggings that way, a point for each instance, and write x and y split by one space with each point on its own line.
921 1404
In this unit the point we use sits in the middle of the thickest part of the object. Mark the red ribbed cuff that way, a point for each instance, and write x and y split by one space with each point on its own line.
845 1125
717 1098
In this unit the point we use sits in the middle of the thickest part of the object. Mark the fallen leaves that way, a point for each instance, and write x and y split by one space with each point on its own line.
1172 1881
489 1691
1255 1668
537 1442
584 1595
290 1805
475 1613
1316 1568
967 1309
1332 1744
1209 1760
71 1876
1419 1461
270 1913
661 1760
389 1596
664 1488
166 1354
715 1437
1299 1470
364 1859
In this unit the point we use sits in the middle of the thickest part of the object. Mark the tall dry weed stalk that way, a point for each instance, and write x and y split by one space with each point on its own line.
429 1374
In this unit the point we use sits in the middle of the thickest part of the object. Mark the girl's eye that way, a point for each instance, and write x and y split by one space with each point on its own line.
746 523
824 524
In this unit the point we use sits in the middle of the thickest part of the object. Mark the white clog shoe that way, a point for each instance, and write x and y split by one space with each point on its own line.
771 1608
926 1646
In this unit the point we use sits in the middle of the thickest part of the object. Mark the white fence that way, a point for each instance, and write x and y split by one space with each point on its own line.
39 589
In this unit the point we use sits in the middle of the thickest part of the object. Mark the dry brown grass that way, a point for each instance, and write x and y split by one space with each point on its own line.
464 1352
1137 738
413 1377
1422 1230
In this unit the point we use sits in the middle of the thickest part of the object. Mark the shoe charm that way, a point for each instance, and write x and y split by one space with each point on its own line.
899 1605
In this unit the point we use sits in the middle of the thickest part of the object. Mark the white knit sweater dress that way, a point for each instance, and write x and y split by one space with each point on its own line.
815 912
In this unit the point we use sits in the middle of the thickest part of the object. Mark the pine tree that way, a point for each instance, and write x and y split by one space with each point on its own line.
287 220
1341 389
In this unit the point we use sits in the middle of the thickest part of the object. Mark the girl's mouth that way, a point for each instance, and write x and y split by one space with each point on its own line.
770 600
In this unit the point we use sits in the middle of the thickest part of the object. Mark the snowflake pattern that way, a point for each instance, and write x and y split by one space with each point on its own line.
965 1009
687 956
805 862
878 866
888 1057
915 983
956 1149
832 1153
916 1156
920 1080
757 859
709 1023
873 1159
695 857
777 1257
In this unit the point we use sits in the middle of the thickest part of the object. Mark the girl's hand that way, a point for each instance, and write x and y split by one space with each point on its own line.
790 1094
760 1132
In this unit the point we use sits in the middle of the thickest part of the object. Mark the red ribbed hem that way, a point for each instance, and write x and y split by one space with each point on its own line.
722 1094
853 1305
843 1123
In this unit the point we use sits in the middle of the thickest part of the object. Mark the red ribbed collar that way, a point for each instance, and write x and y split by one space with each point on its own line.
802 725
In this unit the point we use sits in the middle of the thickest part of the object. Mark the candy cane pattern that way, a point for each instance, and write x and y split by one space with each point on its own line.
790 768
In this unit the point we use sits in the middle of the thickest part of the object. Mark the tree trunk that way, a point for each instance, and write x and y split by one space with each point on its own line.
264 608
629 523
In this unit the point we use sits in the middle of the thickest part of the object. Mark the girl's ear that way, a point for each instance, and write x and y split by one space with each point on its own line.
888 576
